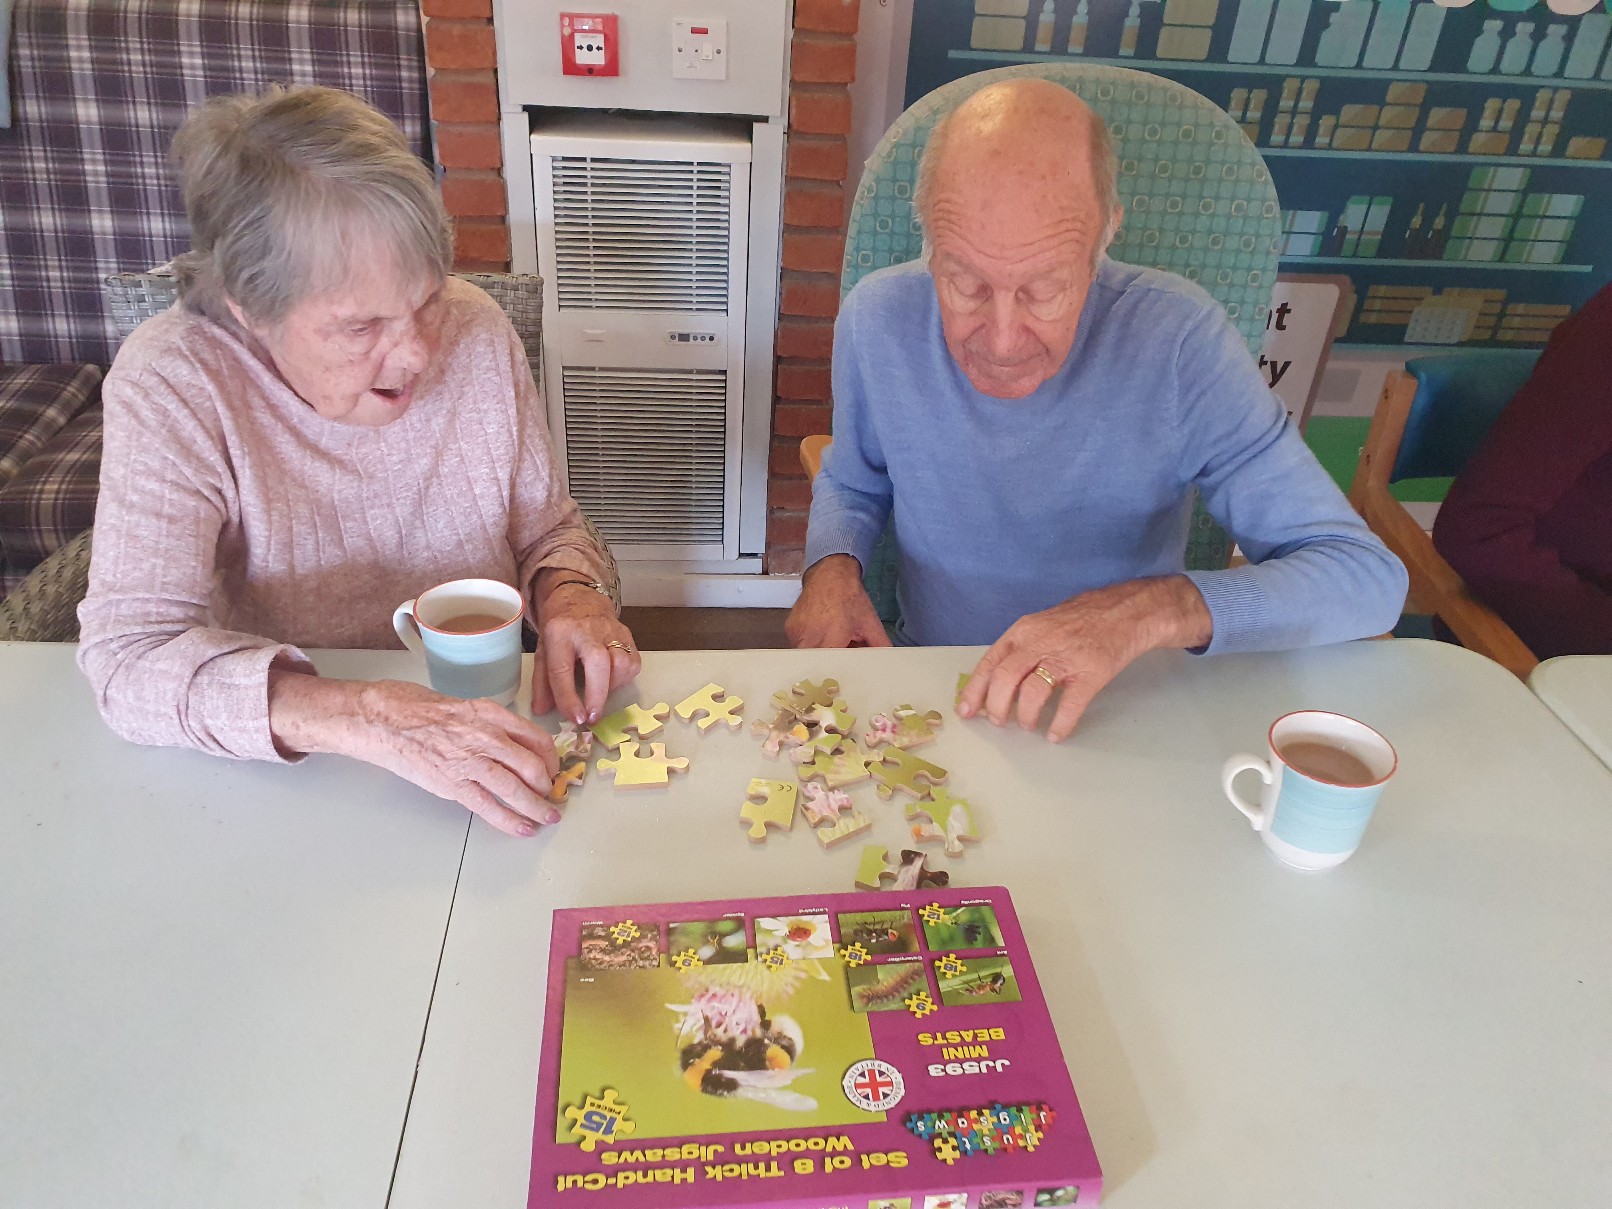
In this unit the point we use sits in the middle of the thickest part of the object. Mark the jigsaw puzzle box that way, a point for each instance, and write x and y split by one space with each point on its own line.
879 1050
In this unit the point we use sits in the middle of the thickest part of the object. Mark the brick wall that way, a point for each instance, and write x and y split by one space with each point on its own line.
462 62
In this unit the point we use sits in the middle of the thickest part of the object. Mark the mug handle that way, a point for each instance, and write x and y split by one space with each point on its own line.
408 630
1229 772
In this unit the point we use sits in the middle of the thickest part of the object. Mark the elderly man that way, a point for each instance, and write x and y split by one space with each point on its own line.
1037 416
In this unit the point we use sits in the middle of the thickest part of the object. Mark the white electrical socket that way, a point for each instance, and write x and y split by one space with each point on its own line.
699 48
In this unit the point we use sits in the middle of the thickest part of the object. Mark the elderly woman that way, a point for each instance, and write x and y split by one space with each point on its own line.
326 425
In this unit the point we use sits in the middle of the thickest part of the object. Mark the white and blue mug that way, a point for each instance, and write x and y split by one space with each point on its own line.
469 631
1322 780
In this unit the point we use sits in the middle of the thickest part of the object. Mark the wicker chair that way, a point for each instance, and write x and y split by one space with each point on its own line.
43 608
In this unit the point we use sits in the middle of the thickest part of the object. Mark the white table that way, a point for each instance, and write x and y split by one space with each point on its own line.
1428 1025
1578 689
214 977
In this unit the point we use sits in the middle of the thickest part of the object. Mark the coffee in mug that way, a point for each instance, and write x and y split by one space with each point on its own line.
469 631
1321 782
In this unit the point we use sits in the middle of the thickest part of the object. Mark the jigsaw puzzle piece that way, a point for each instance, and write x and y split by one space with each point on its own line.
903 727
832 719
572 743
786 730
768 804
821 805
902 770
716 703
633 770
572 773
620 726
872 867
805 695
950 819
852 822
825 744
847 766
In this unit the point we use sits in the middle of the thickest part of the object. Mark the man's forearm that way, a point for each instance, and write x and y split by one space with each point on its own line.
1163 613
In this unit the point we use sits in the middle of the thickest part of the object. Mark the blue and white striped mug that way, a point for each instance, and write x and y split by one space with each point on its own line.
1322 780
469 631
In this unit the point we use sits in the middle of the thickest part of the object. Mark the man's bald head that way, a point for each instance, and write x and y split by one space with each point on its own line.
1009 142
1017 198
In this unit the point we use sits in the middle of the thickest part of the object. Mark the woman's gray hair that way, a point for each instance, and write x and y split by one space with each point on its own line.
283 188
1104 176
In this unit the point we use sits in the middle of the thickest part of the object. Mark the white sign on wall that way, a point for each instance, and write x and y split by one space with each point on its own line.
1298 337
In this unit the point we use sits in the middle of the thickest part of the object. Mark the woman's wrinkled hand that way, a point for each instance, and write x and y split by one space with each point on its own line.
475 753
580 632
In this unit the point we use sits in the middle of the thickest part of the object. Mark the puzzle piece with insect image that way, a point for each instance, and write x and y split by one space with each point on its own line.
572 773
573 743
825 744
804 696
620 726
821 806
846 766
768 804
831 719
717 705
947 818
902 770
633 770
910 873
903 727
786 730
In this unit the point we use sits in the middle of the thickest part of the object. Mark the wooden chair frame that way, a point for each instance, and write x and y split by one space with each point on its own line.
1435 585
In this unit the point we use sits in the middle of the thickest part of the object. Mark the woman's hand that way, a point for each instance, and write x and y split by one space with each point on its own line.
579 626
475 753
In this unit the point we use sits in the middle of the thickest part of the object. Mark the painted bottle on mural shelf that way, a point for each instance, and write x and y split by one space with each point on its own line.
1548 58
1415 249
1131 31
1486 49
1589 40
1547 140
1344 36
1425 27
1438 236
1287 31
1383 48
1519 49
1248 35
1043 29
1077 30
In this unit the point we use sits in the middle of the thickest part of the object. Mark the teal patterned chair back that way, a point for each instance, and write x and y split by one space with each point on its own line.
1198 202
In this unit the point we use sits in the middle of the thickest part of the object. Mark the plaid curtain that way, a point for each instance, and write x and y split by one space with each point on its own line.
98 89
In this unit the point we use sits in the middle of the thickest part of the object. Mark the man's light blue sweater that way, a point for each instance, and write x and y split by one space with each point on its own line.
1005 507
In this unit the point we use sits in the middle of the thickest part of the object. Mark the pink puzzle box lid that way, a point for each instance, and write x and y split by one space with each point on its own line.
872 1050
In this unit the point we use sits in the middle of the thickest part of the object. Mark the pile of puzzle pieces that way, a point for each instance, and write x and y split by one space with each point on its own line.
813 728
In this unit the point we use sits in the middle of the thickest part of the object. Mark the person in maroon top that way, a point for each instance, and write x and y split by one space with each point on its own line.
1528 523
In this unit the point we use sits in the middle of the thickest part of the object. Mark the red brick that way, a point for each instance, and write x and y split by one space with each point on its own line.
460 45
481 239
818 157
789 494
815 252
820 109
801 419
828 16
822 59
459 8
811 341
481 266
816 295
803 381
815 204
462 96
469 146
786 560
784 457
474 194
786 529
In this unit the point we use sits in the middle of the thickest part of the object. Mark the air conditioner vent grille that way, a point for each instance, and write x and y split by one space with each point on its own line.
645 450
644 235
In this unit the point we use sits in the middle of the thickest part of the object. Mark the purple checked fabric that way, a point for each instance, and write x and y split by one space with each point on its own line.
98 89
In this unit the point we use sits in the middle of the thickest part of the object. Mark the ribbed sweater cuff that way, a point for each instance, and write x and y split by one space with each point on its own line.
838 537
1238 608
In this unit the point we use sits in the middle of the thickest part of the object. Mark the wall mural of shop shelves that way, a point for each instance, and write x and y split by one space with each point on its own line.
1448 159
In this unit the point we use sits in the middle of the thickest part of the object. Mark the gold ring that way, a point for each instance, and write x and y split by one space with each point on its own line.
620 646
1045 675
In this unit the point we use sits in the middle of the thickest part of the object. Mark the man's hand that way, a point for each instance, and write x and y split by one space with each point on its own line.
475 753
1081 645
578 627
833 609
